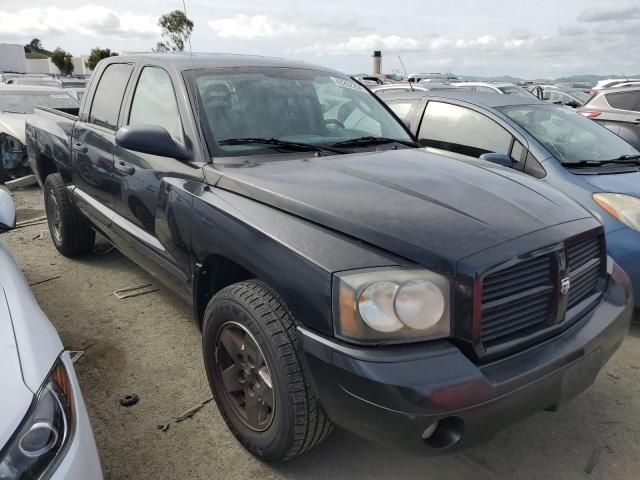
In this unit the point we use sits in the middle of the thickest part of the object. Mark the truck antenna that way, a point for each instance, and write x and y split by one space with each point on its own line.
405 72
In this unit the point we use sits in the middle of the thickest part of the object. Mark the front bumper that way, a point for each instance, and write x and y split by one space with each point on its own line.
393 394
80 461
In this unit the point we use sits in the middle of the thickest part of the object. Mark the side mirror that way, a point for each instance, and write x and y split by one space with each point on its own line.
498 158
572 104
151 139
7 211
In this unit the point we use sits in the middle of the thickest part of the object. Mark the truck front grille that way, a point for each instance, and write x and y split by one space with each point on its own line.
585 269
520 300
516 300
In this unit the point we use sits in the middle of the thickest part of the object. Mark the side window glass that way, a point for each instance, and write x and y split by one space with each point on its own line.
401 108
154 102
461 130
109 93
623 100
516 152
533 167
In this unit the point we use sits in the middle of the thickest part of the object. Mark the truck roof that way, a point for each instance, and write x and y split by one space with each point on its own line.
187 61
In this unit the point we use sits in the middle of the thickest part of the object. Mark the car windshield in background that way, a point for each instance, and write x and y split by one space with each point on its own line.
570 137
517 91
25 102
302 106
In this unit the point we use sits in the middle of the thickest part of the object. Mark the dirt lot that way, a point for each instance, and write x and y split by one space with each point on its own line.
150 346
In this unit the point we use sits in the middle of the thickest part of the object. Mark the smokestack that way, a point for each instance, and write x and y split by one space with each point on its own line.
377 62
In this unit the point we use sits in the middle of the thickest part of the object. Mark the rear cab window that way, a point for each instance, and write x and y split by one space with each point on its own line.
109 94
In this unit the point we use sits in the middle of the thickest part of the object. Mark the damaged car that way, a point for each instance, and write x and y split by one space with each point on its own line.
16 103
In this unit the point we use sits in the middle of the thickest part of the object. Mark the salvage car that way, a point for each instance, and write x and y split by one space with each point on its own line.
35 81
548 142
339 274
618 109
16 102
44 426
495 87
568 97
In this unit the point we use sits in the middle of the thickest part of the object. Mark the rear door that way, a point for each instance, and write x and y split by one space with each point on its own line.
94 141
152 211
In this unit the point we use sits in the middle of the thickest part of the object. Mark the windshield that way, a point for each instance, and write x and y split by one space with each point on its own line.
570 137
517 91
25 102
289 104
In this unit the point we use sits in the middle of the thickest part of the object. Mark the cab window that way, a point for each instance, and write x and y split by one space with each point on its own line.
154 102
107 99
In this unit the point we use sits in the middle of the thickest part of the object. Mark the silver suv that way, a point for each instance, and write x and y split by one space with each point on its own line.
618 109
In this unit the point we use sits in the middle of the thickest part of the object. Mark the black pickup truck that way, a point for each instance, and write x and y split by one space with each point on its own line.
339 274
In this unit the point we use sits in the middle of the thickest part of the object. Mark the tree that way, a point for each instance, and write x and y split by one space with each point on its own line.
63 61
36 43
98 54
176 29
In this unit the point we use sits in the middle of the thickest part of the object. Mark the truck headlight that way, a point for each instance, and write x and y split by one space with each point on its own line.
625 208
392 305
44 433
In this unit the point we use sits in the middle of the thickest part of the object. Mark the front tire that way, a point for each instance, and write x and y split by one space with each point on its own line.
70 231
253 362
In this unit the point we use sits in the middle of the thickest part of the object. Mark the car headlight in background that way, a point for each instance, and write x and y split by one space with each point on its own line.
12 152
44 433
392 305
625 208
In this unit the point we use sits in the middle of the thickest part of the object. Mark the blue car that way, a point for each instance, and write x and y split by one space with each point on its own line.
549 142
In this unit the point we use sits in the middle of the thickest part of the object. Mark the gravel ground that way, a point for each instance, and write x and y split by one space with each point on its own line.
149 346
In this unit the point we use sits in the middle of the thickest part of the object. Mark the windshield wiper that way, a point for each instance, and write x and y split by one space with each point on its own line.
634 159
280 143
365 141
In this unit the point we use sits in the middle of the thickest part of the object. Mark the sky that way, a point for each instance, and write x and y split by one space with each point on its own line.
536 39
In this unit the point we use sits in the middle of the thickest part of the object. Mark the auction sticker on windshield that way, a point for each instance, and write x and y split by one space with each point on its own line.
343 82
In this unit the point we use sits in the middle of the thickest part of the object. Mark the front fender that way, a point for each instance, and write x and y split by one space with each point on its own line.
296 257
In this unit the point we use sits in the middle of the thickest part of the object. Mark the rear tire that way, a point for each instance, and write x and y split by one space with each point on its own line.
70 231
251 316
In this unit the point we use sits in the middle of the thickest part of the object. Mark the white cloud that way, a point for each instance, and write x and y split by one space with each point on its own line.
365 45
250 27
89 20
603 13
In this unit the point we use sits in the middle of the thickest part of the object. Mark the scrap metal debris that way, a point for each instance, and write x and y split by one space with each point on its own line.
135 291
593 461
21 182
75 355
41 235
31 221
192 411
38 282
128 400
164 426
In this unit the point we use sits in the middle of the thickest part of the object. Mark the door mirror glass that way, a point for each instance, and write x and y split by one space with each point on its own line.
151 139
498 158
7 211
572 104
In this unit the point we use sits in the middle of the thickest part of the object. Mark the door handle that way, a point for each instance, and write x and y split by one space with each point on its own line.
124 167
80 147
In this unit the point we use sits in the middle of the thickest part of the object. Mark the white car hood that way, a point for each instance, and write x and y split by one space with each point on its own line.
29 344
14 124
16 397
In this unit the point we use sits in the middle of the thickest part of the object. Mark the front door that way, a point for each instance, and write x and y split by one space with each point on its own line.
151 211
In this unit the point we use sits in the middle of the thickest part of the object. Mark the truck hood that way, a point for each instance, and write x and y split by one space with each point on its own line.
13 124
627 183
409 202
